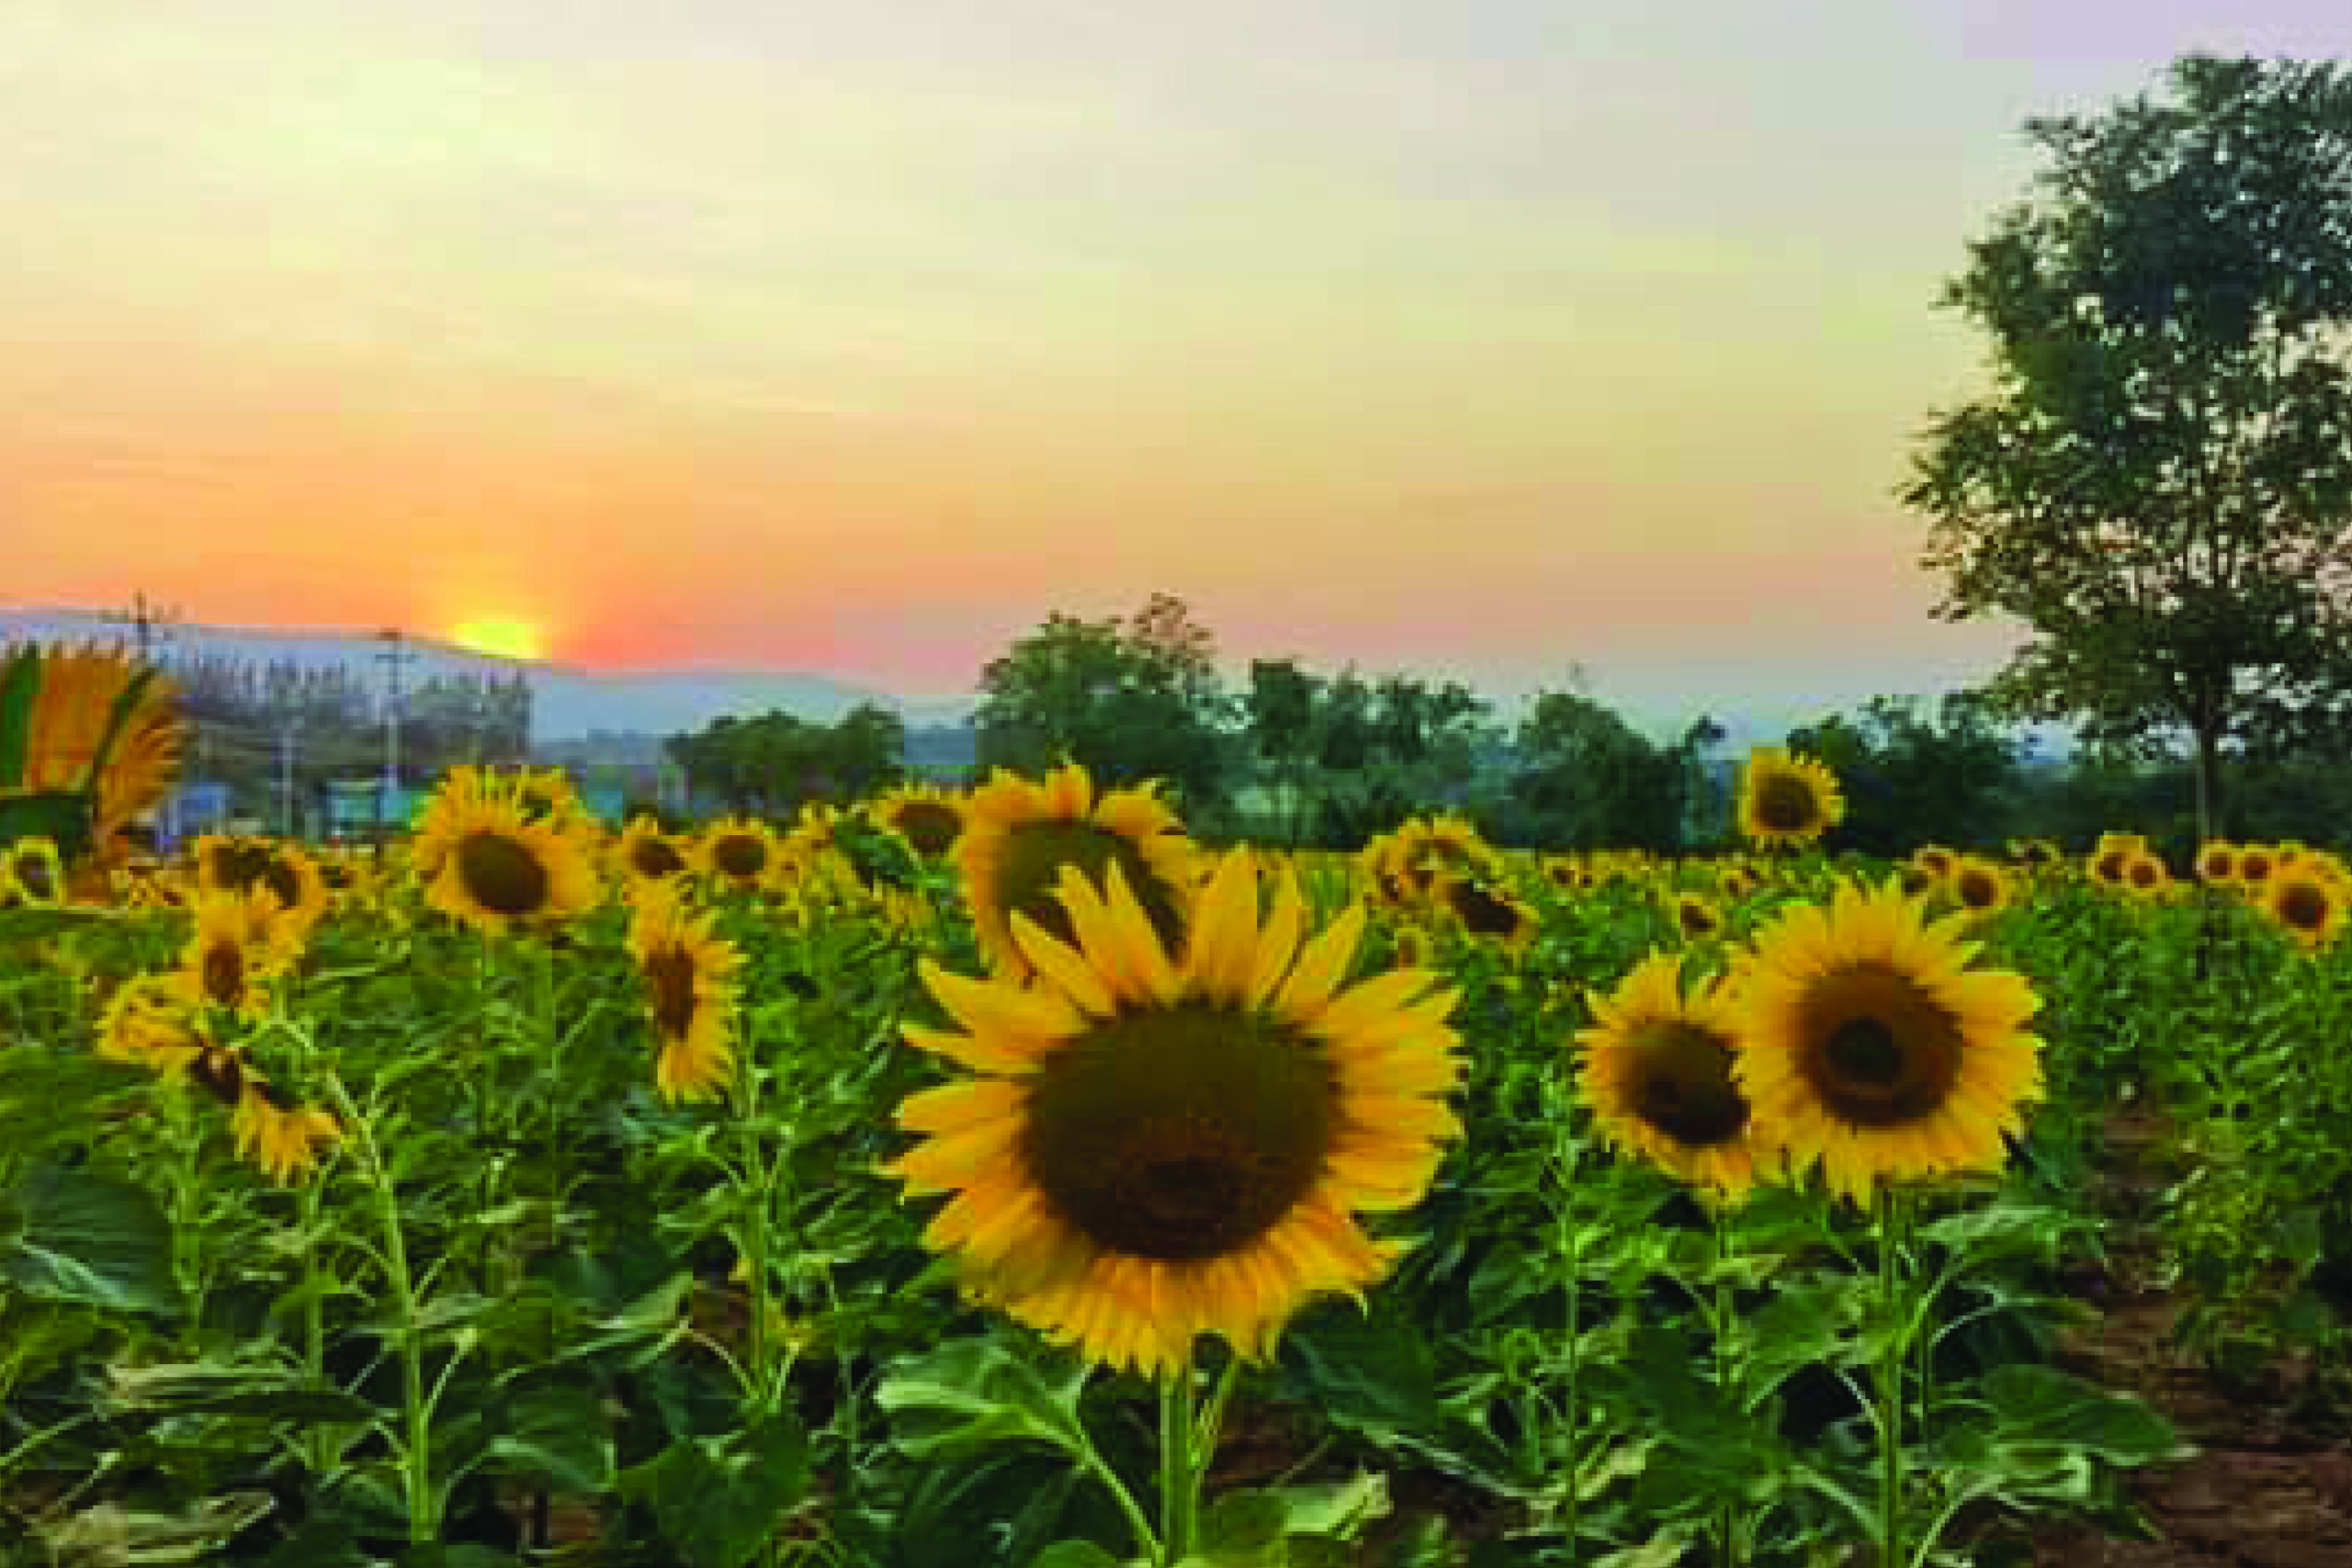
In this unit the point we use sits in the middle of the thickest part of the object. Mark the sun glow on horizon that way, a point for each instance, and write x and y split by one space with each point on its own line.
503 636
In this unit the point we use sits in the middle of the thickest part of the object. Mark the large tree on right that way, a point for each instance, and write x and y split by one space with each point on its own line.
2159 484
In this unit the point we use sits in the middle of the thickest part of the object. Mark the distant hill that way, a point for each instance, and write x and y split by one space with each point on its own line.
566 702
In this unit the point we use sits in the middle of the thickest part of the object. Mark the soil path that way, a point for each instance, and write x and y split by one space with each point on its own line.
2271 1483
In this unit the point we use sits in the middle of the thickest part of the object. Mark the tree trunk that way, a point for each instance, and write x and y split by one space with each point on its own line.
2208 770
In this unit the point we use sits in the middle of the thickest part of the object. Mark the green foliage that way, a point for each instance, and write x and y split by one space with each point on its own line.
1132 698
2159 486
1588 780
774 763
1910 780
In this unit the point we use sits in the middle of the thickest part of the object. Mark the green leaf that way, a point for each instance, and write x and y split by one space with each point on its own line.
115 1532
224 1388
974 1392
87 1238
1074 1554
718 1501
557 1432
2041 1408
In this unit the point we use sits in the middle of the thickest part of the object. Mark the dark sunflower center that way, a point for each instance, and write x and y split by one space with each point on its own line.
2253 868
2109 867
2144 873
1695 918
670 973
655 857
930 827
1785 804
1180 1134
239 866
1032 867
2303 907
1916 879
502 875
219 1073
1480 912
739 855
1878 1050
1681 1085
1977 890
224 974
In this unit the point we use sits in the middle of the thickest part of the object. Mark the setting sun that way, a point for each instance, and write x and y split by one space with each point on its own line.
504 636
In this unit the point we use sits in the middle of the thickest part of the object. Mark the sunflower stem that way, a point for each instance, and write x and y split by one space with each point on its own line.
1891 1359
1571 1249
1179 1475
1727 1379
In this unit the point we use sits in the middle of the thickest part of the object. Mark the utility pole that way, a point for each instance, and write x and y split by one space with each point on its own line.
394 654
151 624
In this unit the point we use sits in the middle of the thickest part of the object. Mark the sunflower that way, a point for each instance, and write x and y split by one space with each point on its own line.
243 942
2218 862
1425 850
98 724
1935 859
928 817
2145 876
736 852
1694 917
1019 834
1160 1147
644 854
1566 872
152 1021
2308 905
1483 909
690 980
274 1132
2255 863
2036 854
1978 886
1875 1050
1656 1066
2107 863
1785 800
237 862
31 871
497 870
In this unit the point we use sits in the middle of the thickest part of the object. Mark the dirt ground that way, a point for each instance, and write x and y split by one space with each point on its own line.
2271 1483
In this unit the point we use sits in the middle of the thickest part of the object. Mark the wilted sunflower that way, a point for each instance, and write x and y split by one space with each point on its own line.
2308 905
928 817
1978 886
1485 909
497 870
1787 801
98 722
644 854
31 871
243 942
2217 862
1874 1048
1656 1069
1019 834
690 978
736 852
228 863
1159 1148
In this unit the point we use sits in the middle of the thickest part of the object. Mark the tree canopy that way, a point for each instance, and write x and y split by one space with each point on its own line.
2159 485
775 762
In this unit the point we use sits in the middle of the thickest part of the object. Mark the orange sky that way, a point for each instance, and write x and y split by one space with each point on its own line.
1480 340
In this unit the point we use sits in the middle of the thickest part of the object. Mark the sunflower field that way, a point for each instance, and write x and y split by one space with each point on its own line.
1005 1178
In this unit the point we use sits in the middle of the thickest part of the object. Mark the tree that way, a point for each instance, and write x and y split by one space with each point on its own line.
1131 699
2160 485
1589 780
776 762
1909 779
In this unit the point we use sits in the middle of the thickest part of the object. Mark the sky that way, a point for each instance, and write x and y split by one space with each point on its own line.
1492 340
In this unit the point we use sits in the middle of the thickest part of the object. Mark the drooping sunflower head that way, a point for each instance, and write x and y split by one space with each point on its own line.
242 942
2309 906
277 1135
1487 910
499 871
644 852
1159 1147
930 819
692 992
1019 835
1787 801
1978 886
1656 1069
229 863
1876 1049
31 871
740 853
